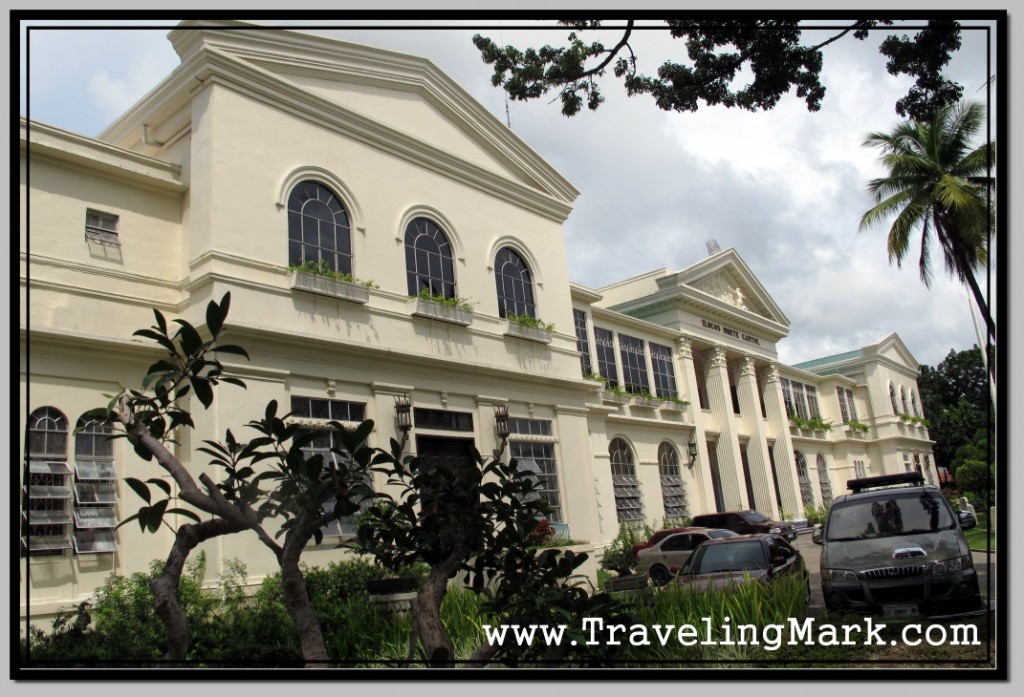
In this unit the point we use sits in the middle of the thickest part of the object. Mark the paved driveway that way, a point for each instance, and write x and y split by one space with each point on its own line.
812 557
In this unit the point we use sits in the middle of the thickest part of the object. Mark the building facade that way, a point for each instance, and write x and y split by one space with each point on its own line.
269 154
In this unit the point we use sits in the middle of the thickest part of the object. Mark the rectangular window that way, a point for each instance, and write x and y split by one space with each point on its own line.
583 341
328 409
798 400
606 356
664 371
812 402
47 494
628 504
787 397
634 364
843 410
326 440
851 405
539 458
443 420
101 228
529 427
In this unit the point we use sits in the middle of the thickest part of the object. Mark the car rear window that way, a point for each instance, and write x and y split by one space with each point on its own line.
734 556
888 516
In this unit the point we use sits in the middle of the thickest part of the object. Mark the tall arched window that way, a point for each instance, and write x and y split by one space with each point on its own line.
806 493
319 234
913 403
95 487
514 283
47 491
628 505
672 492
892 398
903 400
823 480
428 259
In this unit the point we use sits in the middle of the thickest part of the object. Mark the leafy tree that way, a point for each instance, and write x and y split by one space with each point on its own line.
719 50
938 184
976 480
955 399
301 486
476 519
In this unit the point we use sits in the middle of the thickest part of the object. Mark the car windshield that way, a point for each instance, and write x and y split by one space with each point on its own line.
734 556
895 514
754 517
715 534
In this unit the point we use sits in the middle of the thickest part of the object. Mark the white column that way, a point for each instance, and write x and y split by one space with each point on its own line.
700 476
778 422
720 399
757 448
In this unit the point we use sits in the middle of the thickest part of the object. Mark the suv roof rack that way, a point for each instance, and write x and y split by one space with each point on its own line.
907 478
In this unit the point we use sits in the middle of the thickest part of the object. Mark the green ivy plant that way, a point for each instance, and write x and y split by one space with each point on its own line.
815 423
594 376
322 268
911 419
453 302
531 322
857 426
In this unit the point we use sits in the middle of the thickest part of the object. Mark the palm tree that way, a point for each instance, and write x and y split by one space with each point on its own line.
939 185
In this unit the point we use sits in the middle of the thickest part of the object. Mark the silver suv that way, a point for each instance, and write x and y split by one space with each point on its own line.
895 547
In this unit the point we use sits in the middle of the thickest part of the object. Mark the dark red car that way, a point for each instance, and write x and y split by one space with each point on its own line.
746 522
657 537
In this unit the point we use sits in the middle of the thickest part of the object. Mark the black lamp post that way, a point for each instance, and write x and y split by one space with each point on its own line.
403 418
501 425
692 447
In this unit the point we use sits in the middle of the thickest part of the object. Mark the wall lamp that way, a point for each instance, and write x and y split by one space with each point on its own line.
692 447
403 418
501 425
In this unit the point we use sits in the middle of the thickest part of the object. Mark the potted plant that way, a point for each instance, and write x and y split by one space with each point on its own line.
454 310
529 328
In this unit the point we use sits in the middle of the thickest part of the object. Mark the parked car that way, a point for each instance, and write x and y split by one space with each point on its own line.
967 519
656 537
731 561
663 559
745 523
894 547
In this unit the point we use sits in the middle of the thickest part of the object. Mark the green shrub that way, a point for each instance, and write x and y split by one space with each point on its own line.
619 555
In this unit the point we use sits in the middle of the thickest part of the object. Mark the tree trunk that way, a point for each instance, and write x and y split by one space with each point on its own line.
165 586
426 609
299 607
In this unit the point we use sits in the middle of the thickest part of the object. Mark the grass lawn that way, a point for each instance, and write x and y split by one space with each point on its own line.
980 537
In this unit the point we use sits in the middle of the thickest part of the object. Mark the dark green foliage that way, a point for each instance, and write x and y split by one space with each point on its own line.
718 50
955 396
619 556
976 480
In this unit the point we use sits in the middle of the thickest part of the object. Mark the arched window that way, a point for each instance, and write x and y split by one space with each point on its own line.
903 400
628 505
95 487
428 259
913 403
672 492
823 480
892 398
319 234
514 283
806 493
47 483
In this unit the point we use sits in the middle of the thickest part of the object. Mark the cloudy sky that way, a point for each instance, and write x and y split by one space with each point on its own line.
785 188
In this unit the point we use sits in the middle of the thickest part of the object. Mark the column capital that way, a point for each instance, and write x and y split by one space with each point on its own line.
685 345
716 357
747 368
771 373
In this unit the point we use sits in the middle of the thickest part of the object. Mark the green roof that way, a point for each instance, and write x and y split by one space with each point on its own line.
829 360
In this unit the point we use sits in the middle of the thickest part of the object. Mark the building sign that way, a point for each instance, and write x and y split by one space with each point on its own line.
730 332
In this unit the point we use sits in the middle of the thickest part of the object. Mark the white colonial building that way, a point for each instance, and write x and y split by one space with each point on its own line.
657 397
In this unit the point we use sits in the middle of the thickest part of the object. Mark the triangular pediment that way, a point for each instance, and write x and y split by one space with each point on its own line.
893 348
726 279
398 102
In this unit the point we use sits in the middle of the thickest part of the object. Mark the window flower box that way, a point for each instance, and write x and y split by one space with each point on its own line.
645 402
521 331
616 397
674 406
424 307
330 287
